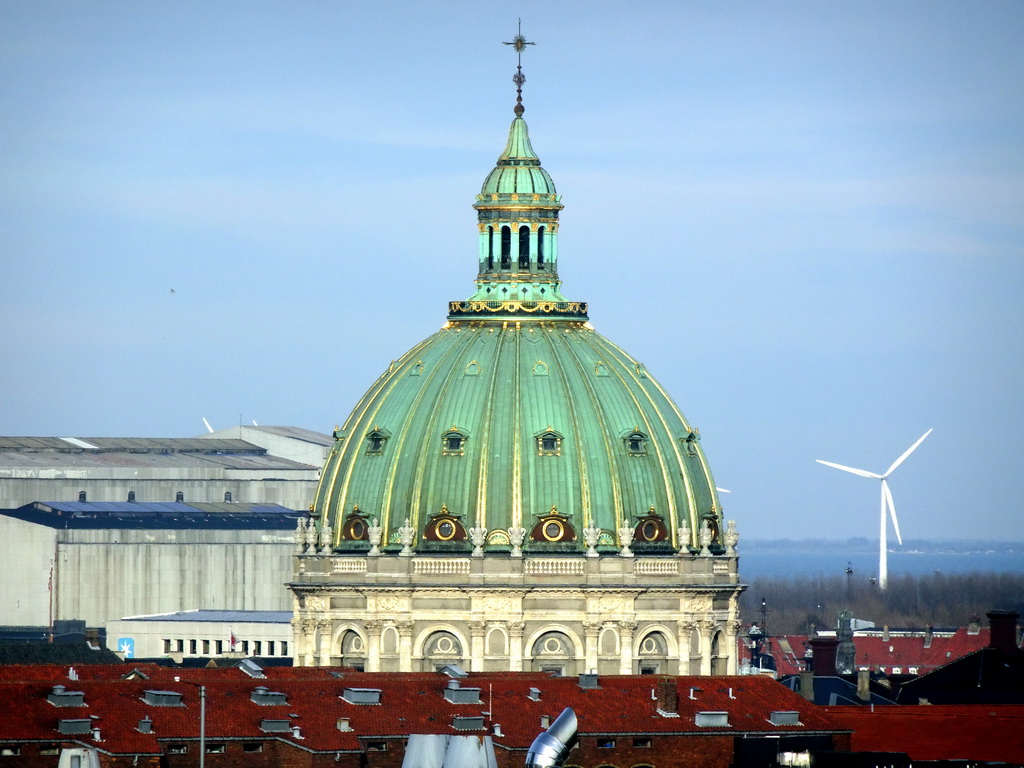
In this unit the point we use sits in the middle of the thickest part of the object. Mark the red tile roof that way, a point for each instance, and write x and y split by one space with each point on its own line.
410 703
976 732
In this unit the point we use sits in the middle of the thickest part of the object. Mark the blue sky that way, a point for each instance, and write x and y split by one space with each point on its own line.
806 219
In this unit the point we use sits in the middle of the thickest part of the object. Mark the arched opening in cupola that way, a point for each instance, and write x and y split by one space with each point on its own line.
524 247
540 247
506 247
490 247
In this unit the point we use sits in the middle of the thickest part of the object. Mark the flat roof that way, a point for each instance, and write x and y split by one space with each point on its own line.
147 514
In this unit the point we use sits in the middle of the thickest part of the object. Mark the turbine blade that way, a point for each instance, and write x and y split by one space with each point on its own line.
887 496
906 453
861 472
208 427
722 490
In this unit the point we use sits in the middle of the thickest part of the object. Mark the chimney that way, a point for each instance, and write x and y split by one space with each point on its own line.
667 695
497 730
1003 630
885 633
823 654
146 725
343 724
864 684
545 721
81 495
973 625
807 683
131 497
179 497
928 636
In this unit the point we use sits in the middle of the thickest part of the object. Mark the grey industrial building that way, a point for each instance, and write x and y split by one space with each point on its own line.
97 529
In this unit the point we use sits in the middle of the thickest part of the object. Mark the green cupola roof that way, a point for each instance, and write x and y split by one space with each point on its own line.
518 171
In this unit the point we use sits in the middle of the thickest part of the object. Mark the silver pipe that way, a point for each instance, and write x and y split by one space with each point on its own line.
551 747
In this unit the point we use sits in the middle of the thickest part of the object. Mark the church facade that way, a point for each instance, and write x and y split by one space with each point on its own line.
517 492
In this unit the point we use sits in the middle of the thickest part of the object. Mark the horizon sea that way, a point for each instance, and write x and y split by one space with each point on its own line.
803 563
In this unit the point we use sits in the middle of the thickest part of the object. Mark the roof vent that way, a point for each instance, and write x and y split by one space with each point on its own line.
361 695
145 725
131 497
711 719
267 698
74 727
61 697
162 698
453 670
784 718
275 726
179 497
459 695
497 730
588 680
297 732
468 723
545 721
344 725
694 692
227 497
81 496
251 668
534 694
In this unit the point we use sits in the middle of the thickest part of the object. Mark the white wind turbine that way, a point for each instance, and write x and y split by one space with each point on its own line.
883 569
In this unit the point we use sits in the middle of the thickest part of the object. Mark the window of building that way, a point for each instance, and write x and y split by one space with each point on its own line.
192 646
284 647
10 751
179 646
549 443
257 648
206 647
245 647
177 749
218 646
49 749
642 742
375 441
167 645
606 743
270 647
376 746
250 747
216 748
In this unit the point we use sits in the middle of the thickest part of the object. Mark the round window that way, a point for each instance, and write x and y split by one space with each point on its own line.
357 529
553 530
445 530
649 531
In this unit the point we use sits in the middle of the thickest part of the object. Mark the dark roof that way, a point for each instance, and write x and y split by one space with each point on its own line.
54 653
125 514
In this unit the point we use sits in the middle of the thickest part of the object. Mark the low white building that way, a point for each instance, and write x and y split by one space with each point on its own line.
202 634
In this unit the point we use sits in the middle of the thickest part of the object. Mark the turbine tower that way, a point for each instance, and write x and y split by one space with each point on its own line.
883 567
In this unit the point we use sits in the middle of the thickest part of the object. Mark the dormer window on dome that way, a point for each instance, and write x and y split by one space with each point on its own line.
375 440
453 442
549 443
636 443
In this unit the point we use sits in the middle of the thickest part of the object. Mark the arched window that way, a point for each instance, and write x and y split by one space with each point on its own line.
540 248
636 443
490 247
453 442
506 247
524 247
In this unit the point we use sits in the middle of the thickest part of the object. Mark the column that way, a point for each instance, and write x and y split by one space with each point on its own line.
515 645
325 628
476 648
309 642
405 645
591 632
626 630
373 627
684 629
705 627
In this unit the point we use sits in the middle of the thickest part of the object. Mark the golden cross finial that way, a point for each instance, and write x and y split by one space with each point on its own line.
519 43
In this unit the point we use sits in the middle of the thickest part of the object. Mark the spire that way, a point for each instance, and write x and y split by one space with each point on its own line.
519 44
517 217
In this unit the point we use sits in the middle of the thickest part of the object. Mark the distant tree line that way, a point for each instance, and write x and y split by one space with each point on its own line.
793 605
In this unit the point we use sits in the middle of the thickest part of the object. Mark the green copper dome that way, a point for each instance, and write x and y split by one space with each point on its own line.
517 419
